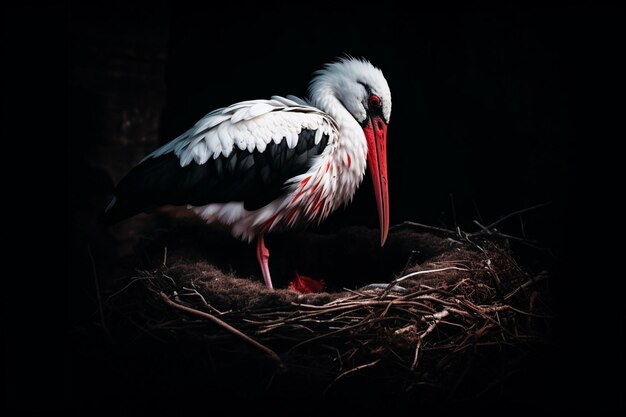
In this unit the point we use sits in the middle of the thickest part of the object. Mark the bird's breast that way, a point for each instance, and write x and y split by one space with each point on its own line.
308 198
330 183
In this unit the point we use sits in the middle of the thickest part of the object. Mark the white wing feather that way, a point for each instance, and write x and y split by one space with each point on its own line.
249 125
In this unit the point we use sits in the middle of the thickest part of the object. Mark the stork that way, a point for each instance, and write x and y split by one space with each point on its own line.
263 166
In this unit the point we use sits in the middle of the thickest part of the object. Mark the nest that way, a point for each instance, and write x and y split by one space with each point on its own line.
466 299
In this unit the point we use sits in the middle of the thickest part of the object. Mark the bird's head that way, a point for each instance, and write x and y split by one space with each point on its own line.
363 90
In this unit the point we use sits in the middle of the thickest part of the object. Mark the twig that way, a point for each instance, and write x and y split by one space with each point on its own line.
429 271
436 319
515 213
363 322
542 276
484 229
121 290
269 352
350 371
98 296
453 211
526 313
170 278
409 261
494 232
424 226
477 211
500 324
193 291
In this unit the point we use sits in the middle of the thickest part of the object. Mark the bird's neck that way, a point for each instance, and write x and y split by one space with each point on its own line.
325 99
350 132
350 153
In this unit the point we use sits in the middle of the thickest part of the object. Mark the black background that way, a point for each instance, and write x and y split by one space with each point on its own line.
494 110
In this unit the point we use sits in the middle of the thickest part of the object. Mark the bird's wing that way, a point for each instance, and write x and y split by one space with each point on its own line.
245 152
250 125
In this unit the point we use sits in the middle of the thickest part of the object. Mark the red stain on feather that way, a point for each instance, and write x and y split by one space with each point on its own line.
291 215
303 182
316 202
293 200
317 184
268 223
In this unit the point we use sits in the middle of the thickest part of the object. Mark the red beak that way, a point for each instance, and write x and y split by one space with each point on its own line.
376 135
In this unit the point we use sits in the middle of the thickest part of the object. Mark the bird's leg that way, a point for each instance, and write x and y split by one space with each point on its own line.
263 256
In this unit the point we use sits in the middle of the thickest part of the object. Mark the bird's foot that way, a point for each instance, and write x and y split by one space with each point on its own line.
382 287
306 285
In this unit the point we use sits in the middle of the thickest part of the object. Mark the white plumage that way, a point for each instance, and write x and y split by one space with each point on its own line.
347 112
248 125
251 125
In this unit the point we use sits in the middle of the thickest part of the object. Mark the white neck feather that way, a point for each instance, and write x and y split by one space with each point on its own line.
350 146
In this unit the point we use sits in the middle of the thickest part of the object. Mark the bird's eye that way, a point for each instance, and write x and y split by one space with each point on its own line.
374 101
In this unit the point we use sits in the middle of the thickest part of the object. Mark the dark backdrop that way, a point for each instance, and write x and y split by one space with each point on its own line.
490 109
491 112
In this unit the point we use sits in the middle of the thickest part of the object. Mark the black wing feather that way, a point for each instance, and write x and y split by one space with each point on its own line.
255 178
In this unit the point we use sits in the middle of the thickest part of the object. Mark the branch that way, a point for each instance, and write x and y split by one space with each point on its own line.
269 352
437 317
98 296
350 371
515 213
425 226
428 271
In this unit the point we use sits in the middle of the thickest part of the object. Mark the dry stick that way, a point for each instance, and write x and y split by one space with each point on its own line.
428 271
453 211
526 313
500 324
342 329
494 232
269 352
436 319
357 293
337 301
424 226
98 297
170 278
477 211
416 294
542 276
408 261
494 275
515 213
195 292
482 227
350 371
392 284
133 280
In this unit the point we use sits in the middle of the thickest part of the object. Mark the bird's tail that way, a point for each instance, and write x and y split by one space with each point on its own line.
118 210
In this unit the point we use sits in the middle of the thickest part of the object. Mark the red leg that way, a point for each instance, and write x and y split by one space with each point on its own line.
263 256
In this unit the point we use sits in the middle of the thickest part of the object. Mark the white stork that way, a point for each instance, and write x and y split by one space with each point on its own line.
261 166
